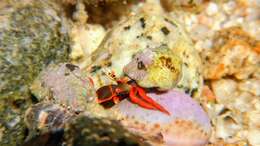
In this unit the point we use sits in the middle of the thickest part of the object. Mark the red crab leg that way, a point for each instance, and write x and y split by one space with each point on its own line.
151 101
91 81
134 99
104 100
116 99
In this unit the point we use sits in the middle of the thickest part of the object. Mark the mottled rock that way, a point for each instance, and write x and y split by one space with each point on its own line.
235 53
99 132
32 35
187 125
63 84
12 127
44 117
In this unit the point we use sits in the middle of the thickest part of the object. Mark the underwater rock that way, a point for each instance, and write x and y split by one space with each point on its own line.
44 117
88 131
188 124
99 132
193 5
32 35
12 127
63 84
67 86
235 53
51 138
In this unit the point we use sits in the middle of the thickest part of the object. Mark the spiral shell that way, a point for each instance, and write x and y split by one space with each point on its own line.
158 67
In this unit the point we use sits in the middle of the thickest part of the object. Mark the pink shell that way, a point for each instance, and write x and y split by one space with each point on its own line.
188 124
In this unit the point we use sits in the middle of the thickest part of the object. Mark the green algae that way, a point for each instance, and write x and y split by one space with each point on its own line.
13 129
32 39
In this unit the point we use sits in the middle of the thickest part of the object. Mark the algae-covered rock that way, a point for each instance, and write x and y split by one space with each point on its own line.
44 117
12 127
32 35
88 131
99 132
63 84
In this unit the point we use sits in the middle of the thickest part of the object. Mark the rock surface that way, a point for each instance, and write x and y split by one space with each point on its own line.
187 124
32 35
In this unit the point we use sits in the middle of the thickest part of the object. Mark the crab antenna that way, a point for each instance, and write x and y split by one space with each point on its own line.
109 74
83 80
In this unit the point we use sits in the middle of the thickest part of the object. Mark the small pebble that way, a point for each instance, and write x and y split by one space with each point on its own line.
212 9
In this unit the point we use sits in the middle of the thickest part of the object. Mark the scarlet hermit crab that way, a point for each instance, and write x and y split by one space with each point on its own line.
155 68
126 88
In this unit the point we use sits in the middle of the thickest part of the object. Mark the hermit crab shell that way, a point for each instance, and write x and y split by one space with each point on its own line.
145 31
158 67
188 124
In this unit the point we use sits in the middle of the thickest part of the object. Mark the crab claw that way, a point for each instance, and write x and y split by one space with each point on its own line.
145 101
133 97
151 101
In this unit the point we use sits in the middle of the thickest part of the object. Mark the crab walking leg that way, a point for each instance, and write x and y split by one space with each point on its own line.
140 102
104 100
116 99
151 101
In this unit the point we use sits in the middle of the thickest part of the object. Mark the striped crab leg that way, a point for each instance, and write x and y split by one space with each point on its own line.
107 96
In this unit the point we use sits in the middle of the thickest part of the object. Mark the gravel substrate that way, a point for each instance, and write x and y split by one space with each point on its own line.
219 33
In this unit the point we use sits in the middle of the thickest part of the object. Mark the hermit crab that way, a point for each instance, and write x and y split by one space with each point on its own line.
148 38
156 67
153 52
124 89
